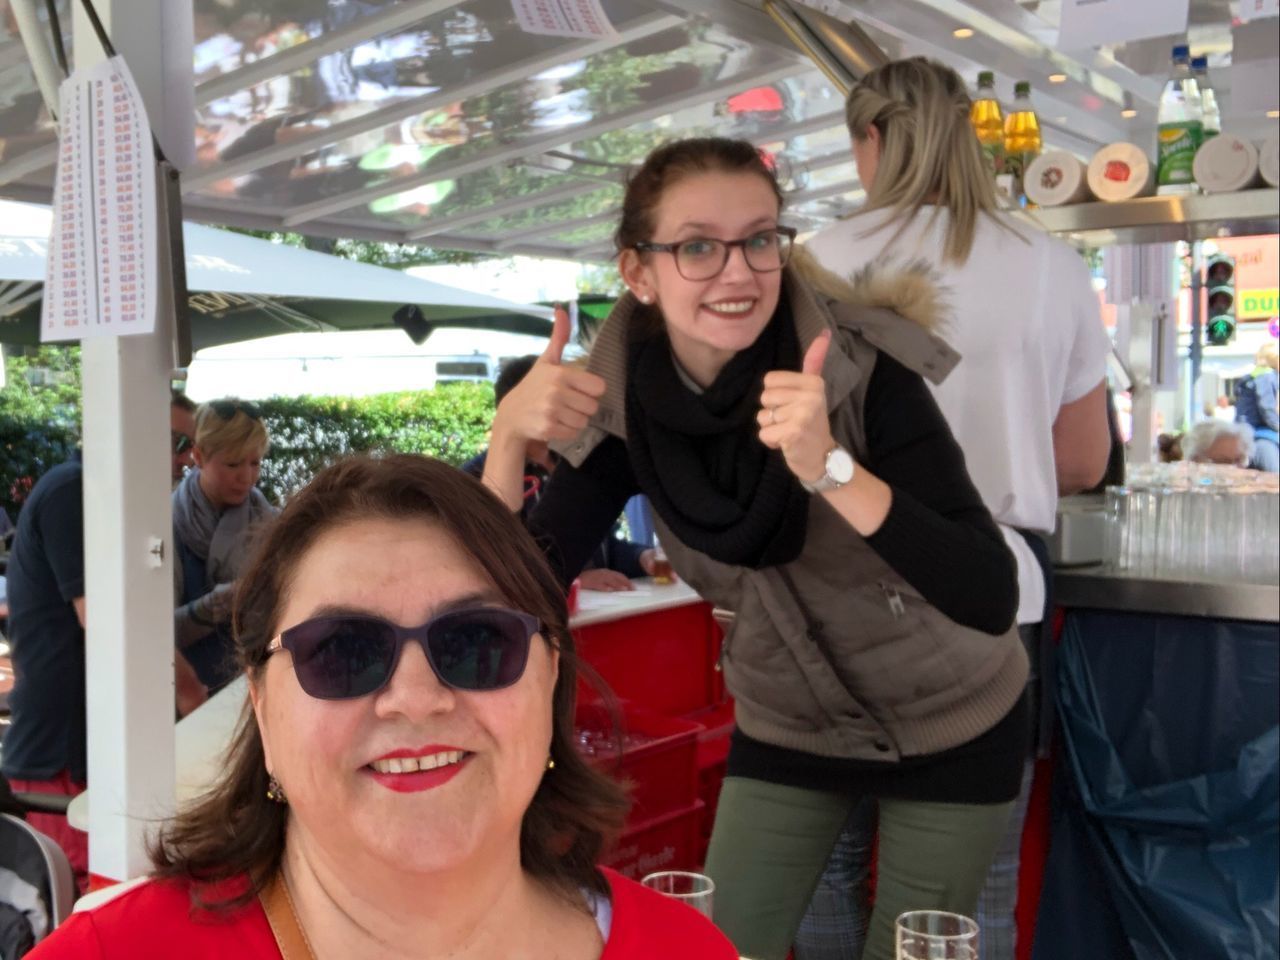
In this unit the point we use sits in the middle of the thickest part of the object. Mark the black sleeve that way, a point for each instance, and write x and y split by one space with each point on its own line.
62 531
581 505
623 555
938 535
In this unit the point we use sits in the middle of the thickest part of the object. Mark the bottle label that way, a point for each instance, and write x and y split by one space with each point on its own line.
993 154
1178 143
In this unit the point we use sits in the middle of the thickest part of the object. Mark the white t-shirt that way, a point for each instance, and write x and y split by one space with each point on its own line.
1026 322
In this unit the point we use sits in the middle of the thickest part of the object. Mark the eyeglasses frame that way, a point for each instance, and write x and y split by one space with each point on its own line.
729 245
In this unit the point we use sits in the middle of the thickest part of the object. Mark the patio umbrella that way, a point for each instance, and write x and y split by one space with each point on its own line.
242 288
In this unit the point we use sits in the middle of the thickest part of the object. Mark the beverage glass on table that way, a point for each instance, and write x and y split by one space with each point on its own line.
935 935
662 571
691 889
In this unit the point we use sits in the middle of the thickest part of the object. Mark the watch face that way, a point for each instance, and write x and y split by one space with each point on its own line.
840 465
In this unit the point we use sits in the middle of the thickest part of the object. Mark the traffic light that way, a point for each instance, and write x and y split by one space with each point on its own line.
1219 280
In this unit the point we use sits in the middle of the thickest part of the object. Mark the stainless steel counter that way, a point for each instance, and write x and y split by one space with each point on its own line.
1101 589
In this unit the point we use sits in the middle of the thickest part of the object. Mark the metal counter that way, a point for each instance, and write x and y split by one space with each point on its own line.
1101 589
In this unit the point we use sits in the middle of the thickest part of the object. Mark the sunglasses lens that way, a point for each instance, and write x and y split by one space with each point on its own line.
337 658
479 649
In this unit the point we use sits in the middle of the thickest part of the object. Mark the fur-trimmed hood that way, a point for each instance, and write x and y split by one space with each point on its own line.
910 288
896 308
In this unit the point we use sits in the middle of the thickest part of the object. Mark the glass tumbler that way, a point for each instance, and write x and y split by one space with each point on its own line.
935 935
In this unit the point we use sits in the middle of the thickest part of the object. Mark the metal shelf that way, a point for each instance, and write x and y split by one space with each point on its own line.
1165 219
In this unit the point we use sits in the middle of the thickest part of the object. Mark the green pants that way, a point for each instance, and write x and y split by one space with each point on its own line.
770 844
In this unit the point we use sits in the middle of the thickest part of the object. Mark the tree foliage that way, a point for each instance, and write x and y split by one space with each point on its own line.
40 426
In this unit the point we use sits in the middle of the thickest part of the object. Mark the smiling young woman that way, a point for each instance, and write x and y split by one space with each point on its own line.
802 476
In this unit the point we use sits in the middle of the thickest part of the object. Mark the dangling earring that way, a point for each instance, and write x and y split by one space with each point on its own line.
275 792
551 764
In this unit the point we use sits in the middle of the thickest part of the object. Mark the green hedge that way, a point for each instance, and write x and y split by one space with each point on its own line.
307 433
39 427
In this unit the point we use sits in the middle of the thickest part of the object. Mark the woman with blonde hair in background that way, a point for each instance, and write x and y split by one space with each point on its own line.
1027 402
216 509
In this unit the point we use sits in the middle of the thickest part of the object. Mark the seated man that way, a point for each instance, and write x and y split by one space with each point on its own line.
1213 441
44 749
617 560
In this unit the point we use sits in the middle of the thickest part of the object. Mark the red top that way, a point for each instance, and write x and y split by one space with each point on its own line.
154 920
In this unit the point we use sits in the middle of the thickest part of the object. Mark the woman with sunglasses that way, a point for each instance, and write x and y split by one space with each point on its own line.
803 477
403 782
216 508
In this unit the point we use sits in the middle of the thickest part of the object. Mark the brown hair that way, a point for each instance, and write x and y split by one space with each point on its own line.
235 830
670 164
180 400
929 152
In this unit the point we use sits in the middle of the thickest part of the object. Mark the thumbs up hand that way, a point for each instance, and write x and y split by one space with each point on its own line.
552 402
793 413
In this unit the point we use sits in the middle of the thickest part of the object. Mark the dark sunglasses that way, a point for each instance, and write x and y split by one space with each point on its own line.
226 409
179 442
346 656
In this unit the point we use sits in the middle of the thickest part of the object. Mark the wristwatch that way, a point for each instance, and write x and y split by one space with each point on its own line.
839 471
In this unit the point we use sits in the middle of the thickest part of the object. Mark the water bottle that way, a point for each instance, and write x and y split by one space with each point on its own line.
1180 126
1211 115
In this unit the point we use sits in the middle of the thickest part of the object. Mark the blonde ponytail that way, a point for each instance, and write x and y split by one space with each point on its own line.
929 152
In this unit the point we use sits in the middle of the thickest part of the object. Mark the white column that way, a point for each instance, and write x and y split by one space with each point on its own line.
128 588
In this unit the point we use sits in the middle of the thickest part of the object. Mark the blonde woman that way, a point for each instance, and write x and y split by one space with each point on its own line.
1027 402
215 509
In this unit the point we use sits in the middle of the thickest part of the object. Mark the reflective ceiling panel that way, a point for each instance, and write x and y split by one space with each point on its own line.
230 34
443 121
25 124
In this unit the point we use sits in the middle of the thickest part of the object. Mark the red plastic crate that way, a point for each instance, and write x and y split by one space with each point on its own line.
663 661
659 756
668 842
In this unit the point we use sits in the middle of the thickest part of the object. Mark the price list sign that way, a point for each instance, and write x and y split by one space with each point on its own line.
563 18
101 274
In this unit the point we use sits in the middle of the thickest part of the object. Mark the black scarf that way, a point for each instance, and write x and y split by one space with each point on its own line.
698 457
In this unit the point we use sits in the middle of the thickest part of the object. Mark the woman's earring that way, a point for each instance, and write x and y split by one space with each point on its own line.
275 792
551 764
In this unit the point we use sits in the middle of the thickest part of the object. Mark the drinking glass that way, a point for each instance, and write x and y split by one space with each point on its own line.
692 889
936 935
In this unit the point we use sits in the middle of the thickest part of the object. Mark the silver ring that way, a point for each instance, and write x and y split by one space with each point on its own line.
773 415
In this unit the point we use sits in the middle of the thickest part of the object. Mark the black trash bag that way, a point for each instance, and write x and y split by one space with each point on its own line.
1166 826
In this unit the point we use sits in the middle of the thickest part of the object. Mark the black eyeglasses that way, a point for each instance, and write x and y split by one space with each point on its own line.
226 409
180 443
347 656
703 258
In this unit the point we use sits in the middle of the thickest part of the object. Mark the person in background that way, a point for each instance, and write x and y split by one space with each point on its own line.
216 508
403 782
44 747
1212 441
802 476
1169 447
182 435
1256 399
617 561
1027 402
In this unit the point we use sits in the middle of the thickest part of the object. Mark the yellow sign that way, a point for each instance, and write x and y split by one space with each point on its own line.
1257 304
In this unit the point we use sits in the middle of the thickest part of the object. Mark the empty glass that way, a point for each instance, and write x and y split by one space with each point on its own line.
691 889
936 935
1201 522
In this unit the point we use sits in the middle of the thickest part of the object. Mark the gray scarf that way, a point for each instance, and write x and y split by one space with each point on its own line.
220 539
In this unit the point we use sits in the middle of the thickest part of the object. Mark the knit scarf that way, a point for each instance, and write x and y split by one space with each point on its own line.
698 457
220 538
